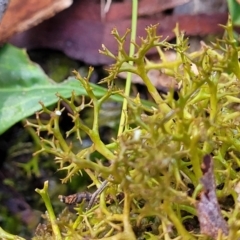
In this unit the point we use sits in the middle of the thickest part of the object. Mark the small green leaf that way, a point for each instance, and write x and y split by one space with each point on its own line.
23 84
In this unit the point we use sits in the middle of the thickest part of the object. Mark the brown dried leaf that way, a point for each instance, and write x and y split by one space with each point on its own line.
21 15
79 31
146 8
150 7
209 212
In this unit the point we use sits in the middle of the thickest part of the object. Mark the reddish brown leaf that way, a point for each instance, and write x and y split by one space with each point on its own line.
209 212
79 31
21 15
149 7
123 10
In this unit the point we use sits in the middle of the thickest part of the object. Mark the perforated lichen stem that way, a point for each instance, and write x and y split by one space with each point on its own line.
176 221
44 194
126 216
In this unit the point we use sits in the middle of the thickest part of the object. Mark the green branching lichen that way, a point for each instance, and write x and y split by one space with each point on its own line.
159 155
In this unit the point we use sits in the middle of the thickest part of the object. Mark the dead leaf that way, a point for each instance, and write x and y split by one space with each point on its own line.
150 7
79 32
123 10
208 209
21 15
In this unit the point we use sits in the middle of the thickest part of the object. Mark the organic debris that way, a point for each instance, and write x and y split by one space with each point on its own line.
80 30
211 220
22 15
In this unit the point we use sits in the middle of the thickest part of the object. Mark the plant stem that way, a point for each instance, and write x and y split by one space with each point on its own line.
177 223
126 219
8 236
44 194
152 89
129 74
100 146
